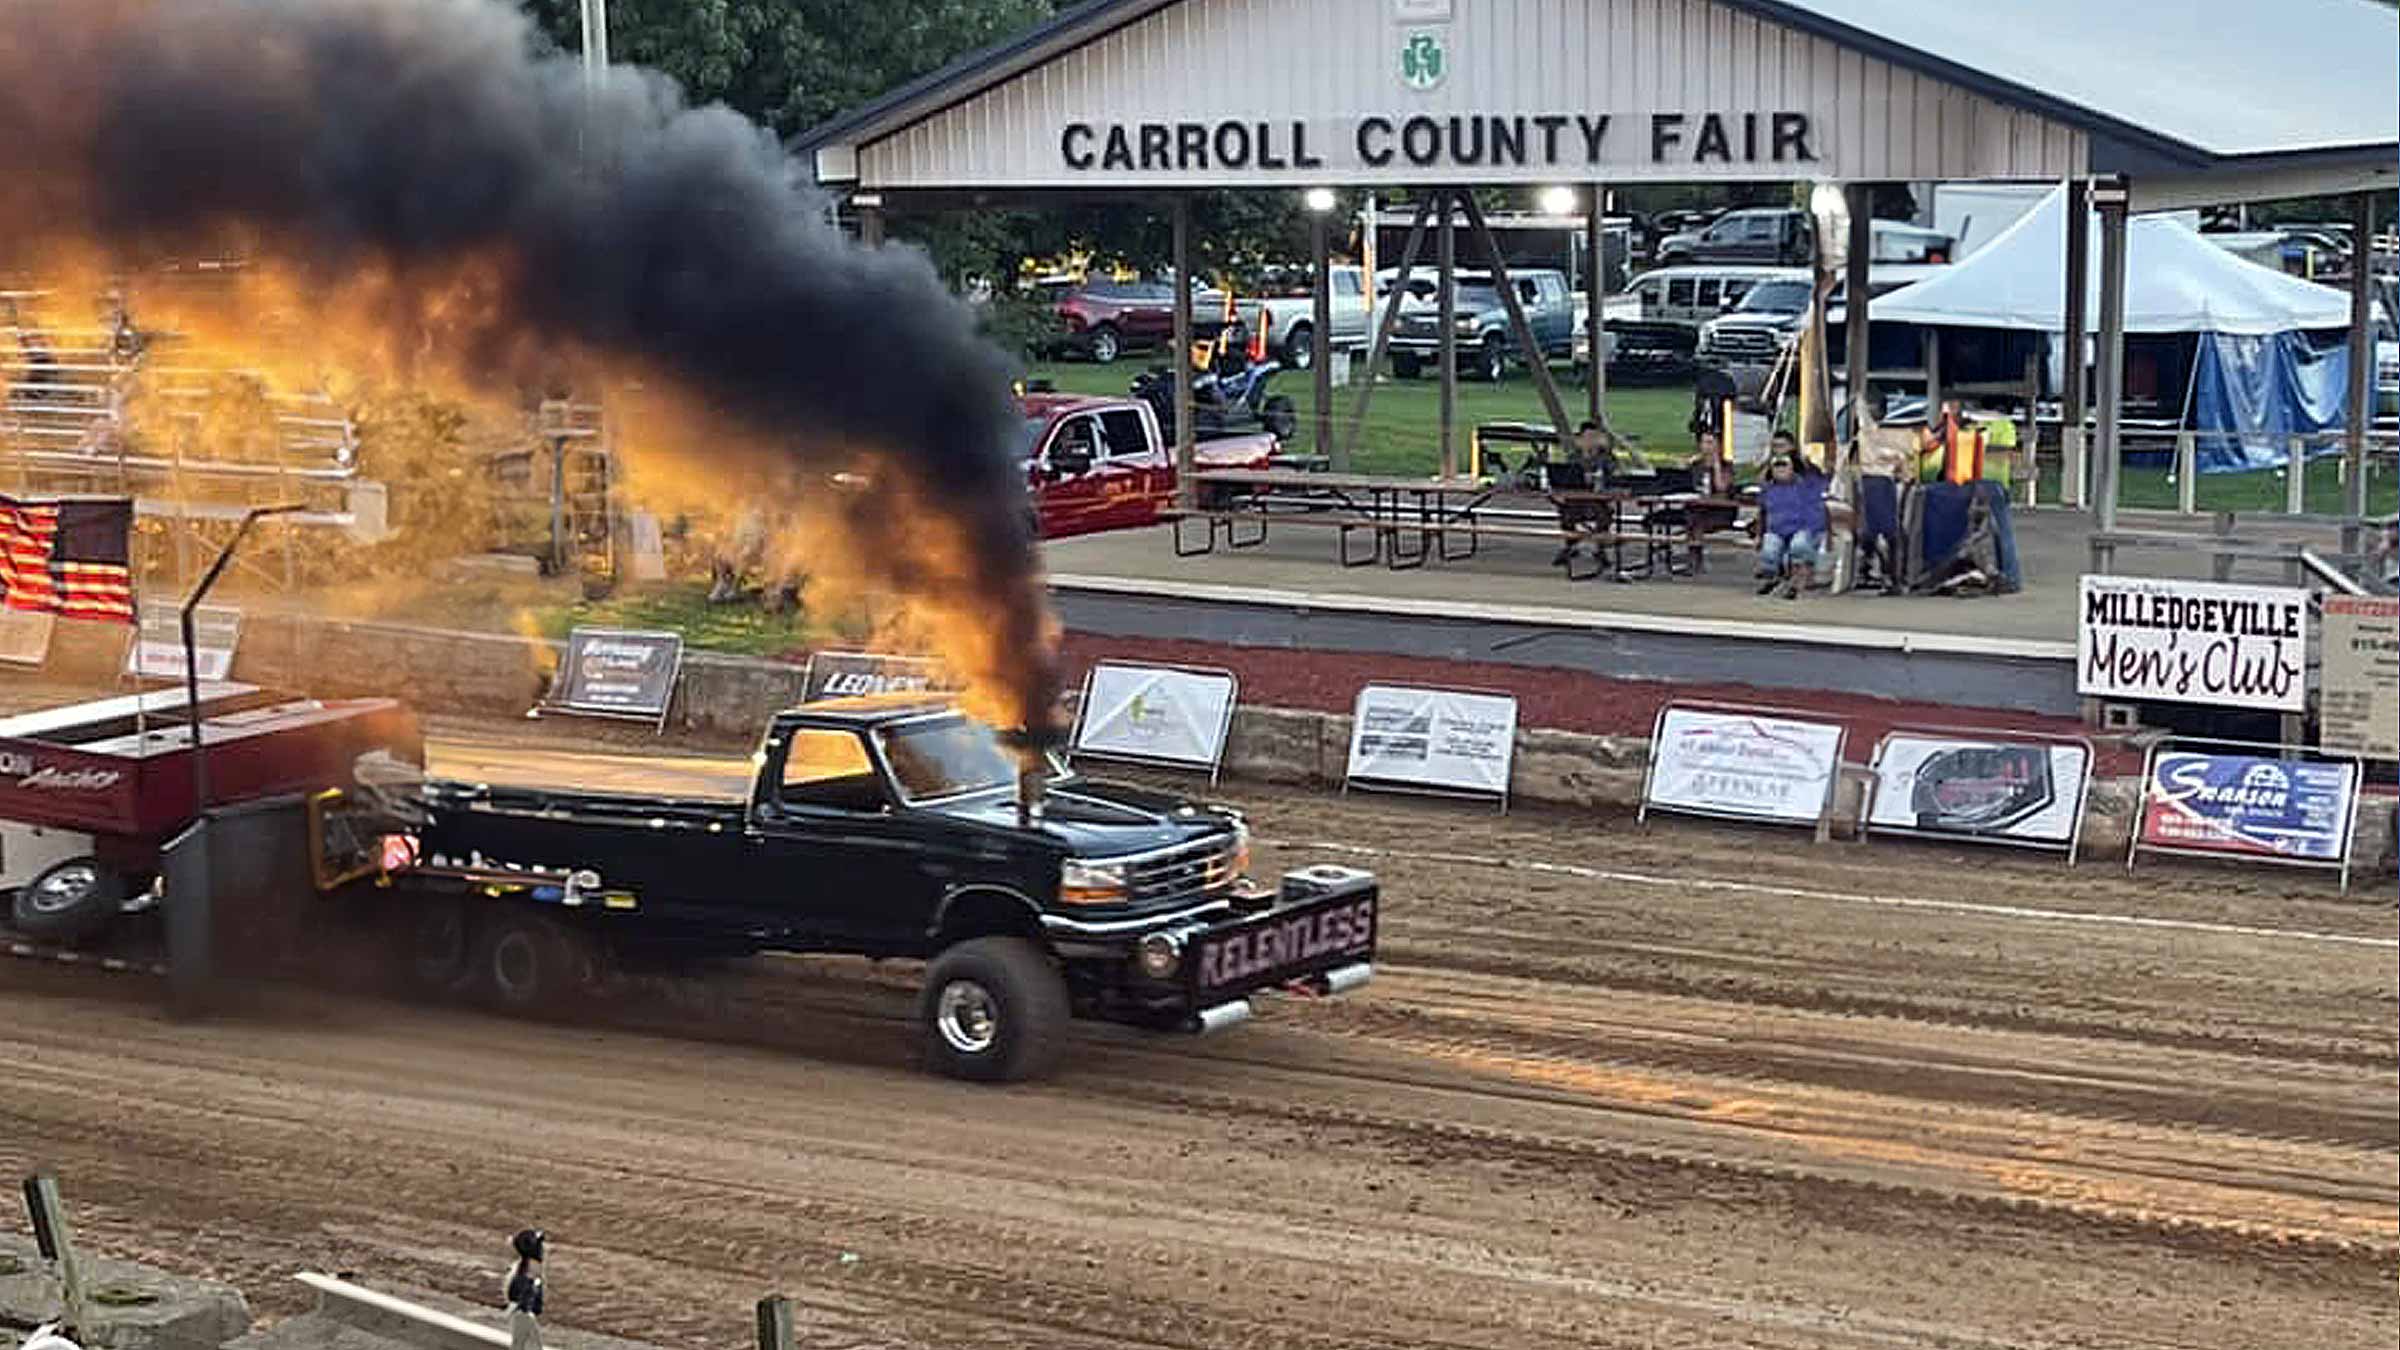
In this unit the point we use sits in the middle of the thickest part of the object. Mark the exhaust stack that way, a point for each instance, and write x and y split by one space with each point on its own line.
1032 745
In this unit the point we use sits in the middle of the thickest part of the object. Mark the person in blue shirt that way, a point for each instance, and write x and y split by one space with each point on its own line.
1791 507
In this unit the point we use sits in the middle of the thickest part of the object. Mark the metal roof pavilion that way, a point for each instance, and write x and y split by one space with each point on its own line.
2190 100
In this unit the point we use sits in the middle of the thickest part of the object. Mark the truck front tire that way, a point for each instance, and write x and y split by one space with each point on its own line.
994 1010
73 901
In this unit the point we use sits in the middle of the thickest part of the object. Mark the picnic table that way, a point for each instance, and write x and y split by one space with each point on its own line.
1409 521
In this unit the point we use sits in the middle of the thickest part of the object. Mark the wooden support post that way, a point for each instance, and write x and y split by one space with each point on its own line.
1383 334
2187 472
1446 256
2111 200
1931 341
2361 402
1527 344
1320 334
55 1238
1857 325
1595 293
2072 400
776 1329
870 226
2295 473
1179 216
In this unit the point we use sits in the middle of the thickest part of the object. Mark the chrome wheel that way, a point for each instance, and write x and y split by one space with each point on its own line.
966 1017
62 888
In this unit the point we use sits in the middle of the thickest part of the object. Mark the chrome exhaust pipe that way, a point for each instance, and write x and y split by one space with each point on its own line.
1221 1017
1343 979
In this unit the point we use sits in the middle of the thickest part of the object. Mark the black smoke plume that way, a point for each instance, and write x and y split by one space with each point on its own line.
682 242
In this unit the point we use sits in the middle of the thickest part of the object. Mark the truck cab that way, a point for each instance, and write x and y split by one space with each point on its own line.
1096 463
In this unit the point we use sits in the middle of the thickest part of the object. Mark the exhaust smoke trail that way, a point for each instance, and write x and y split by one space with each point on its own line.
490 223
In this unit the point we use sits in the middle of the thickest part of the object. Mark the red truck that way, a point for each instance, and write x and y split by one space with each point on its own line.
91 792
1096 463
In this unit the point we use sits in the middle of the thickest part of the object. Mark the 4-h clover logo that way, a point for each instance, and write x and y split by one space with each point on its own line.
1423 62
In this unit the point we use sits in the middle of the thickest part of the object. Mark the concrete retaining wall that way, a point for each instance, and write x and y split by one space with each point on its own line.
133 1307
724 701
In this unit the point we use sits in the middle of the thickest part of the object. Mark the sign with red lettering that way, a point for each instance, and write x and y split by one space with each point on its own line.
2153 639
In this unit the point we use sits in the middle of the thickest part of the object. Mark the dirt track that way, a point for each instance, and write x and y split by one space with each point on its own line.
1698 1087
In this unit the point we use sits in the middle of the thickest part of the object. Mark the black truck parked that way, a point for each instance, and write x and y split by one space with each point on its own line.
889 826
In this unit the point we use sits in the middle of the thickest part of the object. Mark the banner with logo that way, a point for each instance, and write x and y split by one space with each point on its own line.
2358 682
848 674
612 672
2193 642
1155 714
1442 740
2004 791
2249 806
1755 765
157 649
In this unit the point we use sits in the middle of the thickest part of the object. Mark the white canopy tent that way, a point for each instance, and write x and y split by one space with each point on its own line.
2175 282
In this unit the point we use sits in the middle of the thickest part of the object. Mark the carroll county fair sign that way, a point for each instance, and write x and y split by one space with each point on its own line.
2192 642
1560 140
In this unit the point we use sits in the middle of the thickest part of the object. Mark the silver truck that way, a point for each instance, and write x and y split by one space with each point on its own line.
1291 312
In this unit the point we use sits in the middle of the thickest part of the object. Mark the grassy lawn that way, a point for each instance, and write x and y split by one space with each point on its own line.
1401 429
744 628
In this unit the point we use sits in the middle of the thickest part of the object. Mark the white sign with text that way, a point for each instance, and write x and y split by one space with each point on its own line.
157 649
1445 739
2192 642
1157 714
1750 764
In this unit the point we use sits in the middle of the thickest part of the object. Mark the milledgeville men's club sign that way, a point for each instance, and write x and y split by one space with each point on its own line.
1547 140
2145 638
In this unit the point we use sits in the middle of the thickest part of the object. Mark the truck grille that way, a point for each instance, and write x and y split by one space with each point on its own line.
1204 868
1740 342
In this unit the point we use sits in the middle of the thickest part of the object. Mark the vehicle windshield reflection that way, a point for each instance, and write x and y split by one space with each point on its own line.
948 757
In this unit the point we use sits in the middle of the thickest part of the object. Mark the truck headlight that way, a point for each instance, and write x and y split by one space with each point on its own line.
1086 883
1158 954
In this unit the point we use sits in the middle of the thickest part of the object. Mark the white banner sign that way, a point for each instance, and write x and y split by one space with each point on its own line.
2193 642
1435 738
1155 713
1744 764
2018 791
158 648
2358 696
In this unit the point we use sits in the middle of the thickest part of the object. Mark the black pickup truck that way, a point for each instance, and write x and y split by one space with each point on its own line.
891 826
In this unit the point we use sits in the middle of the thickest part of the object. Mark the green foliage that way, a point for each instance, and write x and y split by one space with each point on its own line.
742 626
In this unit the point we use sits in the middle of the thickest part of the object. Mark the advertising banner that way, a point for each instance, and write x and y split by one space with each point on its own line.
2358 689
846 674
1155 714
2249 806
612 672
2192 642
157 649
2028 792
1446 740
1754 765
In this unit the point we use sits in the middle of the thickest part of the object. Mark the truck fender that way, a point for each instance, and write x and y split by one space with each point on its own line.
985 908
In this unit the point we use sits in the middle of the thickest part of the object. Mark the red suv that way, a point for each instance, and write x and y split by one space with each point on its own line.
1105 319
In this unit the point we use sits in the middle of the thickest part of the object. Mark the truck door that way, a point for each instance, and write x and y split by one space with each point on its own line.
1065 490
1350 309
833 865
1134 478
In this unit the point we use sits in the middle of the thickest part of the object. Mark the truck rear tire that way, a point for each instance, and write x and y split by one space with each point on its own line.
1105 344
70 902
525 963
1300 346
994 1010
441 947
1406 365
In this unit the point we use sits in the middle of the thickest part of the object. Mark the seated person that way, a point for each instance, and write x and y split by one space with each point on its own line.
1585 469
1791 510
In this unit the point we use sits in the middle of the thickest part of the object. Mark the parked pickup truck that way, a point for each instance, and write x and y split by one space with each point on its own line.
892 826
1486 344
1291 310
1097 463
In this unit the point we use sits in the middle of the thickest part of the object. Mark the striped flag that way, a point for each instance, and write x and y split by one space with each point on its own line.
67 556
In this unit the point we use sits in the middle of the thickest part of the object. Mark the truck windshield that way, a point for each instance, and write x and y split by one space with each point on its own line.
1029 437
1775 297
946 756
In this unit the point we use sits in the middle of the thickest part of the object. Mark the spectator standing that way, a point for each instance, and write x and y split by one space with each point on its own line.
1791 508
524 1293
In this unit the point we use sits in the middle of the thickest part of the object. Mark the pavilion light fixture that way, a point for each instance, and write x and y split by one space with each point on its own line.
1318 199
1557 200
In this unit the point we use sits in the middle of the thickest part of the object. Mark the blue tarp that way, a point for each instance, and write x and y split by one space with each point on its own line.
2256 391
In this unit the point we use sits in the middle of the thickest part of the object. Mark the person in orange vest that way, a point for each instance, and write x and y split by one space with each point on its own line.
1950 449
